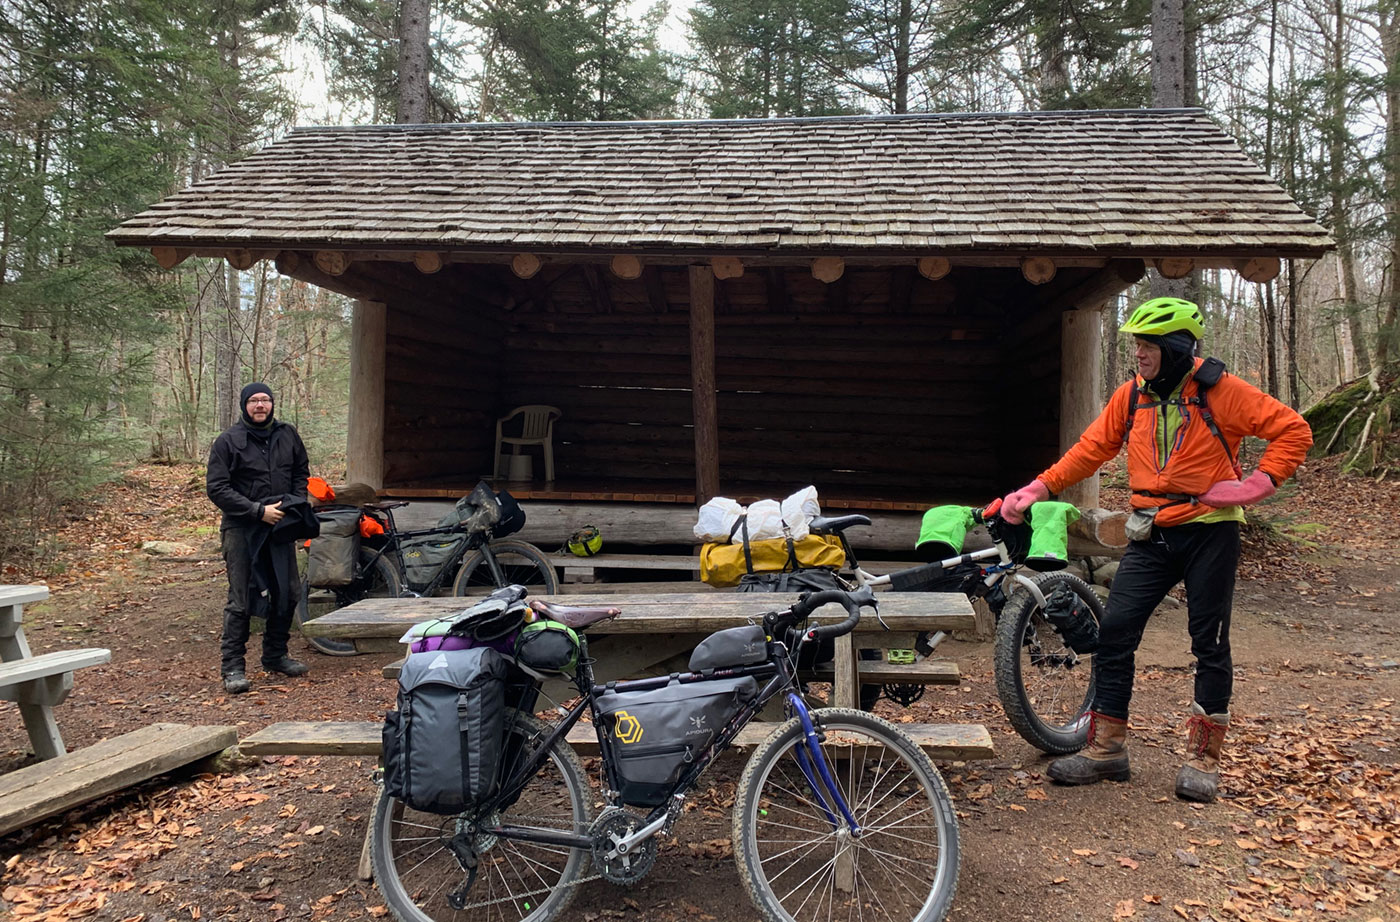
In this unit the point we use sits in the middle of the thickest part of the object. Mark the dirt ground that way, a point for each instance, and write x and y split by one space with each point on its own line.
1308 827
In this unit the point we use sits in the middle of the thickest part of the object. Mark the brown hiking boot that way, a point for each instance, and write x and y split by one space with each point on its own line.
1105 758
1199 778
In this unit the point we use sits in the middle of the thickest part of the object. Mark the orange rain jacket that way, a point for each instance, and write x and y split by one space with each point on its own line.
1194 459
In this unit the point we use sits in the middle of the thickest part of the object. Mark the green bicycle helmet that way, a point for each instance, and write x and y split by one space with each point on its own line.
1161 316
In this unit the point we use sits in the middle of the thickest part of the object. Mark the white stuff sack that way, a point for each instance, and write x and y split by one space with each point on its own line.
717 519
765 521
799 510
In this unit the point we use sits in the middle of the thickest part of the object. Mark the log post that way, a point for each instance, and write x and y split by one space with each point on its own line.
934 268
702 383
364 450
828 268
1174 267
525 265
1081 332
169 257
626 266
727 267
1259 269
1037 269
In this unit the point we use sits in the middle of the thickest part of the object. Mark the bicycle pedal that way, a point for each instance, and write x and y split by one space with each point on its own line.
900 657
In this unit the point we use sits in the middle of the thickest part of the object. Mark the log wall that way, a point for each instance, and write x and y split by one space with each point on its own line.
882 382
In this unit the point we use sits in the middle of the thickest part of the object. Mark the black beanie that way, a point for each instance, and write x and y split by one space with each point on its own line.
1178 357
257 387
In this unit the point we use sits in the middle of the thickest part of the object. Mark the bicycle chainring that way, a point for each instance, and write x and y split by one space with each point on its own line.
611 826
903 693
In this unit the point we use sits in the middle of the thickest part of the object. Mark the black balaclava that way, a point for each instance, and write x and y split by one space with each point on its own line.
257 387
1178 357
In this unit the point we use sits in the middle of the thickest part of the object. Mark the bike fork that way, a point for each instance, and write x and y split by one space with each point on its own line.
813 766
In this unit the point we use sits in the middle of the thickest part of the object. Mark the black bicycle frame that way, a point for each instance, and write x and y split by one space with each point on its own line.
781 678
474 540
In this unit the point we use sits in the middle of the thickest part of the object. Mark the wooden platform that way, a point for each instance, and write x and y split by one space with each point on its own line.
945 742
47 789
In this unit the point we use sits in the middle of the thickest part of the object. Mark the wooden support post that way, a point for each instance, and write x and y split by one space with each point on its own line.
702 383
364 451
1080 404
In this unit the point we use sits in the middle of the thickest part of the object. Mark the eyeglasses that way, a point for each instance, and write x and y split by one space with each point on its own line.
257 401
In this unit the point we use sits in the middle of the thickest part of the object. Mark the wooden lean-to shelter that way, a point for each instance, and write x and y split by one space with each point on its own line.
900 310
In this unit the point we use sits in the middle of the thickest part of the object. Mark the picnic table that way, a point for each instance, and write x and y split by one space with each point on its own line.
654 628
37 683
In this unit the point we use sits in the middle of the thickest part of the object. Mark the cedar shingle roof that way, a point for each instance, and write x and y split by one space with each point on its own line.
1131 182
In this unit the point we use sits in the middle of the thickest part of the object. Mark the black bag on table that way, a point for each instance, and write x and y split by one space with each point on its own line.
442 746
655 733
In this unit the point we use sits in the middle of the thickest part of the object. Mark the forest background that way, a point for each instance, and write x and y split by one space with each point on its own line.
108 105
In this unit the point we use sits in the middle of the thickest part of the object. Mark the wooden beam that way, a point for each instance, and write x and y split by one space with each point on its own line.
240 259
427 261
656 289
1080 401
1093 292
1038 269
626 266
525 265
727 267
776 283
828 268
292 265
364 450
332 262
1174 267
599 287
934 268
702 382
1259 269
169 257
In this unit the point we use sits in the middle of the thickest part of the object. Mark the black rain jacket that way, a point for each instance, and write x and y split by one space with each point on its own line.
245 472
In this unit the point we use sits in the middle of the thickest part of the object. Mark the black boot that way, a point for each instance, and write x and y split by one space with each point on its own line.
236 683
287 666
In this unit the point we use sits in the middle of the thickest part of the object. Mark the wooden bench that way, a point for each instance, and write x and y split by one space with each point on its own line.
48 788
37 683
944 742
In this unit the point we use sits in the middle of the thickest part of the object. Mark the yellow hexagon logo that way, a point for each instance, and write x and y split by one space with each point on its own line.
626 728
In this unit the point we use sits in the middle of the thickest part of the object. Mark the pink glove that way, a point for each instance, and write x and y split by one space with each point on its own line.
1245 492
1014 507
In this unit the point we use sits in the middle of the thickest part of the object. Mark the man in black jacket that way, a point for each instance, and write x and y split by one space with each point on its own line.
257 466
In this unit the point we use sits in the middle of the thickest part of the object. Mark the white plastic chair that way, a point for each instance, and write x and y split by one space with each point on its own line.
537 428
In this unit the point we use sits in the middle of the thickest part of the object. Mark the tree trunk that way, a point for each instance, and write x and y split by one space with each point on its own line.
413 61
1112 348
1389 27
226 386
901 59
1168 54
1354 357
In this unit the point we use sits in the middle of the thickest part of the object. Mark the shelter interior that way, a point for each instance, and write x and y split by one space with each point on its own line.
884 388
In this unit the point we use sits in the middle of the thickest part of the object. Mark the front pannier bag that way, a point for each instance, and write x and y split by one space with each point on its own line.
655 733
332 557
442 747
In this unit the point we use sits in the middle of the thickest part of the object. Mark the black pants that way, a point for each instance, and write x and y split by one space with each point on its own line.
1206 557
245 600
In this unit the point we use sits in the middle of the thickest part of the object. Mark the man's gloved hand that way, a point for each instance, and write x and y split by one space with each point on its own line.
1252 489
1014 506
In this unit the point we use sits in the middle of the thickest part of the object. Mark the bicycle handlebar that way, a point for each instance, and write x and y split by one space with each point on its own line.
852 601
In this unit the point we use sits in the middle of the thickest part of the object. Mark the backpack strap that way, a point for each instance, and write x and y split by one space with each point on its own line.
1206 377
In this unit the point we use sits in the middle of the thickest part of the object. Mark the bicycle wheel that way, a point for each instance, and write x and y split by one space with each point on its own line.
1045 687
521 563
415 869
903 865
379 580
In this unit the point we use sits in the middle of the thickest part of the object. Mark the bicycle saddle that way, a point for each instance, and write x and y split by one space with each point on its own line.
836 524
574 616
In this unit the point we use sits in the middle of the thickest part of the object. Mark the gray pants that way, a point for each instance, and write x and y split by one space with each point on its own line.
245 601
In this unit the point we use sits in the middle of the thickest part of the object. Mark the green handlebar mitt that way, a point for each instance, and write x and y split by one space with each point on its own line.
943 531
1050 535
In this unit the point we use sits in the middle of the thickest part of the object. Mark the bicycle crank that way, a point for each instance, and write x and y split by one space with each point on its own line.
619 861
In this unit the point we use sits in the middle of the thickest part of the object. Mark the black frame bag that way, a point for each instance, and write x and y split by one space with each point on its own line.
442 746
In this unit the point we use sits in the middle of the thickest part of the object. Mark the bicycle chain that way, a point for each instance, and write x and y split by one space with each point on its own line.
545 823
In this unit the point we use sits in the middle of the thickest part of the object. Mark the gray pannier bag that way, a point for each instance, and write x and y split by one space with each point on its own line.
735 646
442 747
332 556
423 557
655 733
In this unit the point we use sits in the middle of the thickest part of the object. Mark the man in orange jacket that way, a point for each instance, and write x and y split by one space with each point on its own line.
1183 432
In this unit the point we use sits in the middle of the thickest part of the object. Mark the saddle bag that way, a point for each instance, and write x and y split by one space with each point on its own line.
442 746
332 556
653 734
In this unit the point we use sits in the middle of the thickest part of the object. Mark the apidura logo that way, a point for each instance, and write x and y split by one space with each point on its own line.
627 728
